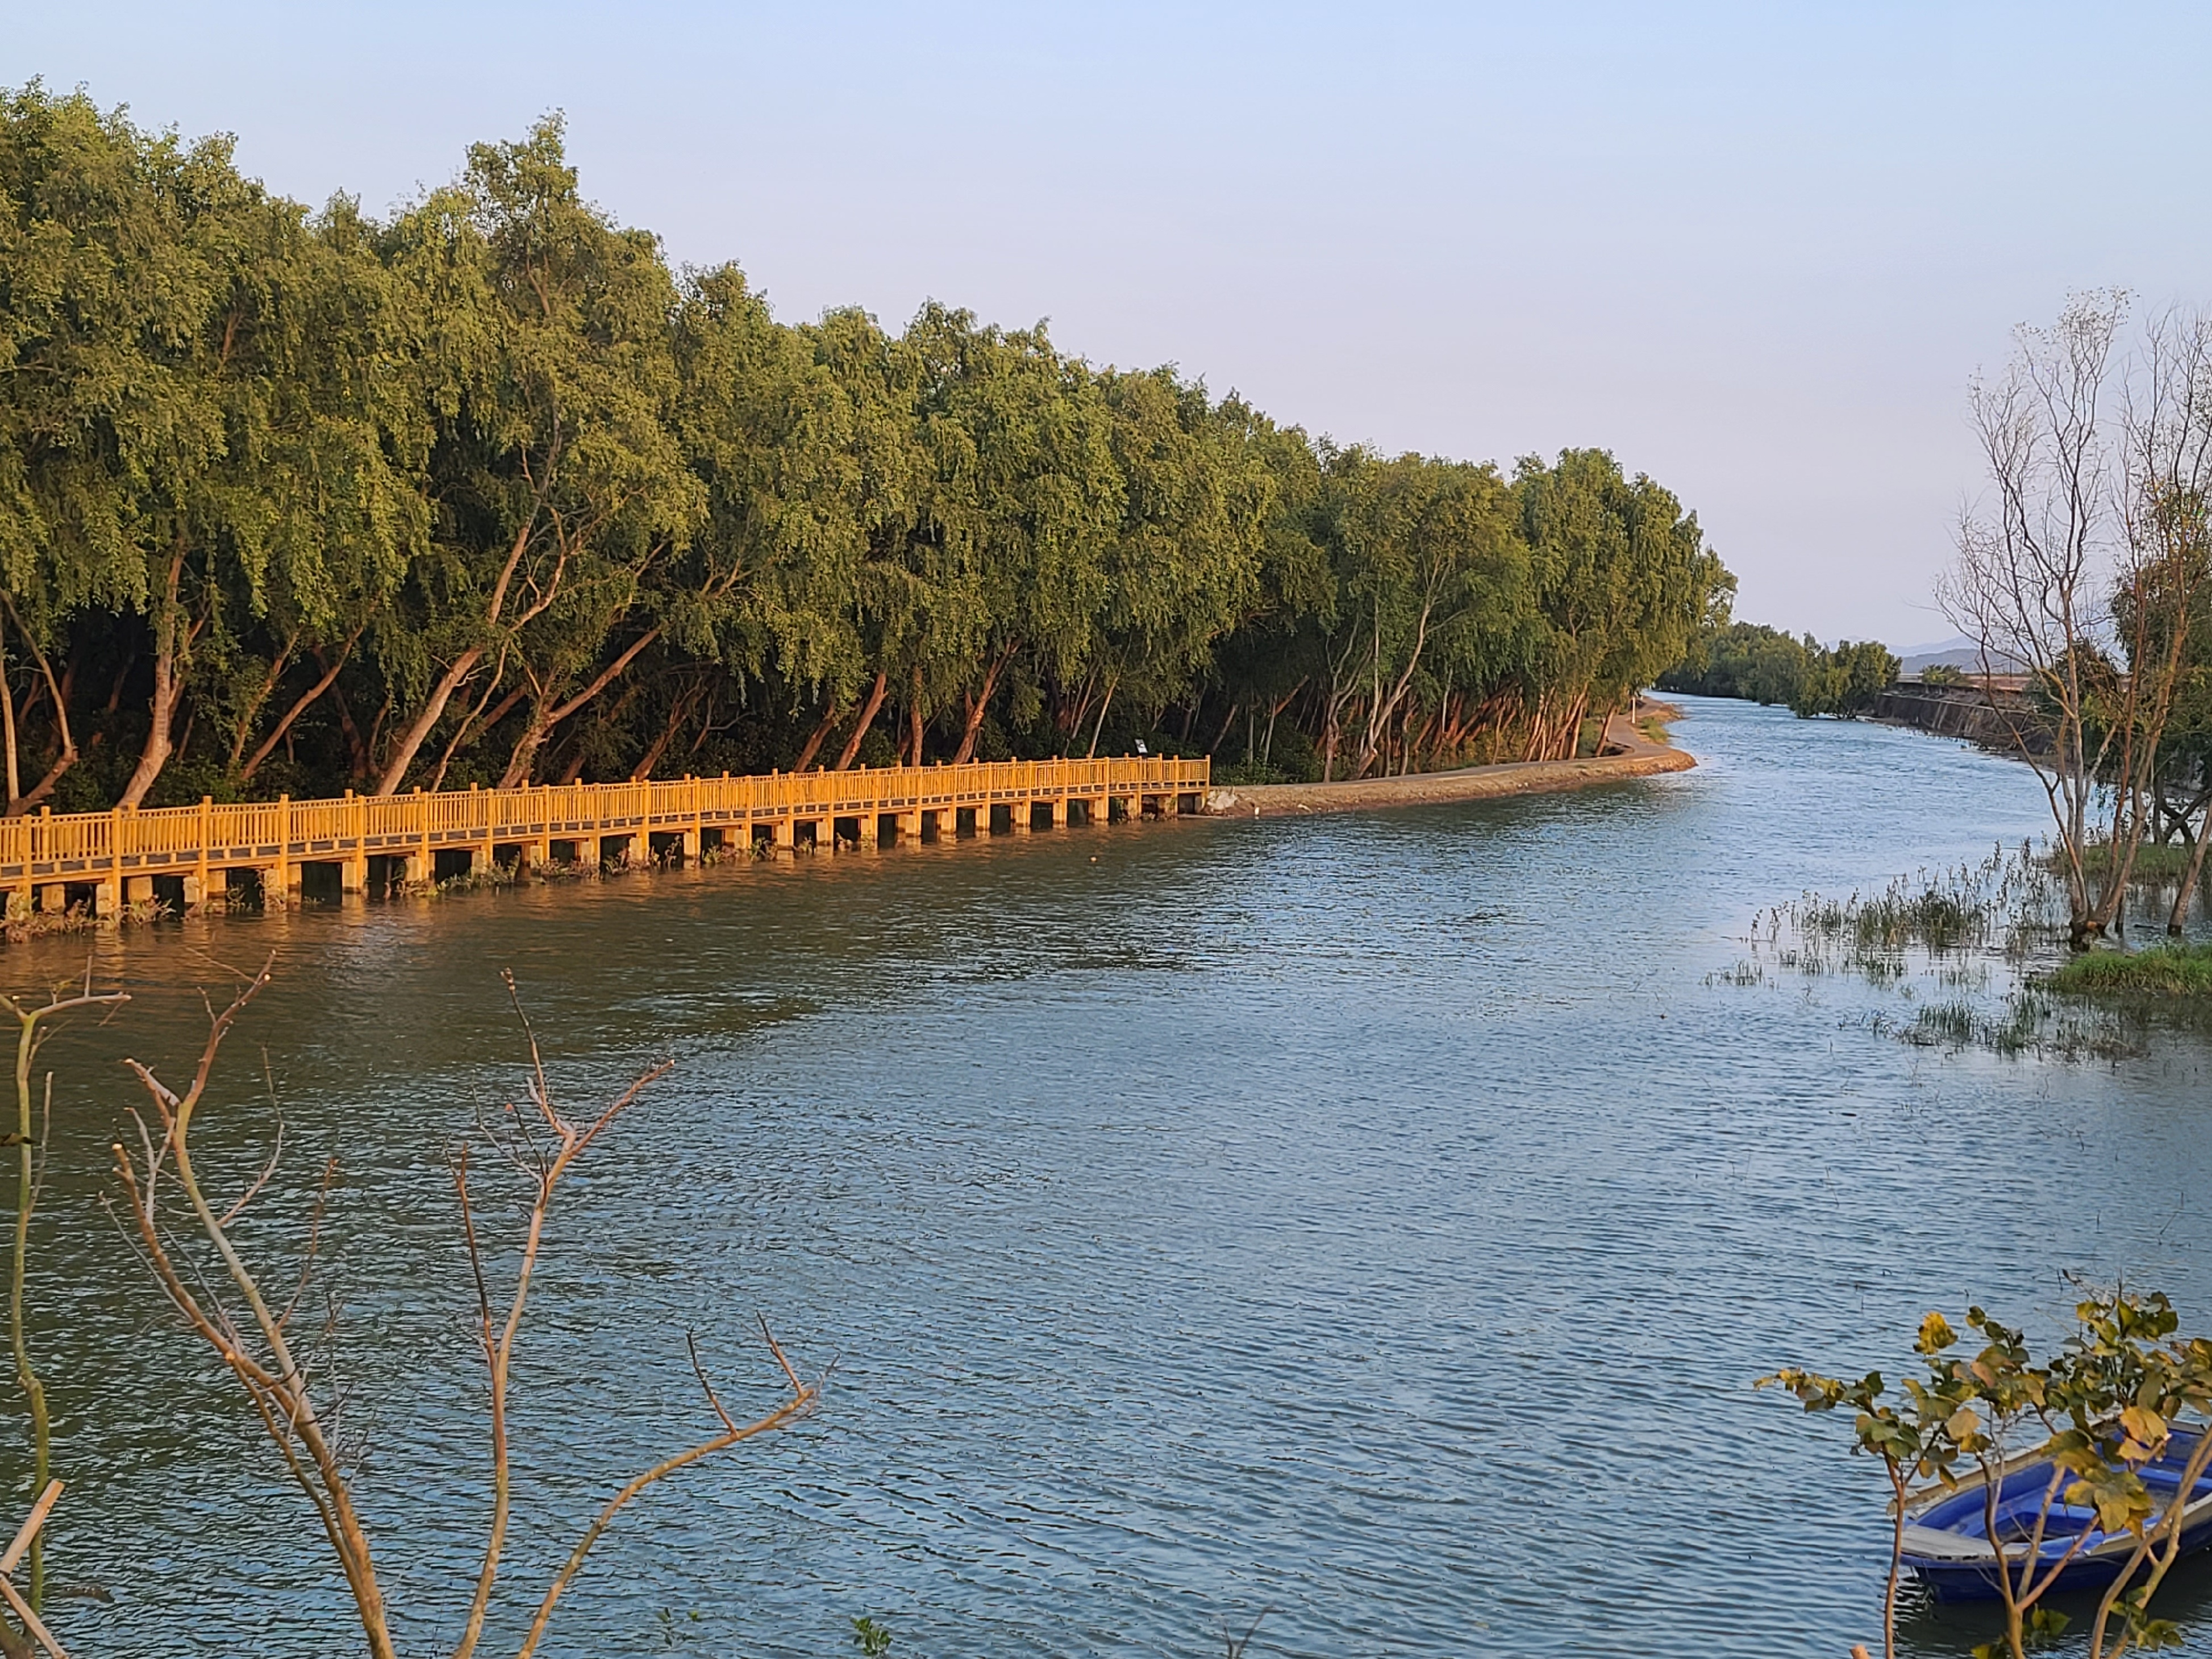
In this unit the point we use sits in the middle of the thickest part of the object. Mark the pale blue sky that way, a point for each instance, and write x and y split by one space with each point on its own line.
1756 251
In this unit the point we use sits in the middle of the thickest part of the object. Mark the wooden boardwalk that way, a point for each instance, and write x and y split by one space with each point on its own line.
185 855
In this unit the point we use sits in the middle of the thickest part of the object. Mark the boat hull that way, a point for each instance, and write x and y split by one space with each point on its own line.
1947 1534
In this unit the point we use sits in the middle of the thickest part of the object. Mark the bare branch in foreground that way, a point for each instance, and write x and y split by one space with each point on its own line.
26 1541
803 1397
33 1026
301 1416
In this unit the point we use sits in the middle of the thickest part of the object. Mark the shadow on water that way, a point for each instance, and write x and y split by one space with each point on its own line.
1942 1630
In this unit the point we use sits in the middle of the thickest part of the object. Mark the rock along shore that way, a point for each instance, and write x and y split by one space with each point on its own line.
1629 754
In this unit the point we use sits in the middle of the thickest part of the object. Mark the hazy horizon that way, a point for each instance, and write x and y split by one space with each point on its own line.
1755 256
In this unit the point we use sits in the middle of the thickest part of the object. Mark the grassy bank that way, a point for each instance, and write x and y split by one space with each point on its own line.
2169 970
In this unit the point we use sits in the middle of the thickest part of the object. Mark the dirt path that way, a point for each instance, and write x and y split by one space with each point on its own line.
1629 754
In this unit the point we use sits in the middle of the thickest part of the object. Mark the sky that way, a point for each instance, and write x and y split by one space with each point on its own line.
1755 251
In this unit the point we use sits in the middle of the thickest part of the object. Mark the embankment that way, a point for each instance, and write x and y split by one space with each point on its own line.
1996 714
1629 754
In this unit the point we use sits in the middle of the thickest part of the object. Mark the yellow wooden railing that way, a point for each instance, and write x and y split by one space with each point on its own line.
277 837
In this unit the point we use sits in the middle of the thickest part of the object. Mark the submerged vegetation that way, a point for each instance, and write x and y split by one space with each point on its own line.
1998 905
1977 952
486 492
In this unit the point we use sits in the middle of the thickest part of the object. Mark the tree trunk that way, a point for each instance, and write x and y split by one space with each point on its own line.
1222 736
356 747
913 719
978 706
269 682
418 733
820 735
526 751
851 751
168 653
468 725
412 739
678 712
1275 713
1069 716
1104 703
60 691
8 715
1571 728
284 726
2190 877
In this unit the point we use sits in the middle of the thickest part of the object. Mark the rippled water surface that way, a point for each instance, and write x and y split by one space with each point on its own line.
1375 1219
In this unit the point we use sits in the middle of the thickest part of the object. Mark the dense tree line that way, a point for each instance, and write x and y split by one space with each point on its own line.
486 493
1765 666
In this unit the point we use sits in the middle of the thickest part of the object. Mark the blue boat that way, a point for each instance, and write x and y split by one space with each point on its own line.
1947 1534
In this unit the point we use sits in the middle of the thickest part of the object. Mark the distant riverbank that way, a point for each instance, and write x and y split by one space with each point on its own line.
1631 752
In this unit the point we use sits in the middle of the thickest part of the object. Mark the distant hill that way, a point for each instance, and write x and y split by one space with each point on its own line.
1957 652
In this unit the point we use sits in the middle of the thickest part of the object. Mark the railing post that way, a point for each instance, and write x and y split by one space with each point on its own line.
19 896
282 869
108 895
353 867
196 886
480 802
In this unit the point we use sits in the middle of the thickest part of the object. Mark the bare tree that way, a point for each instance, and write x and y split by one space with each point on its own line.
34 1022
286 1376
2162 602
2085 576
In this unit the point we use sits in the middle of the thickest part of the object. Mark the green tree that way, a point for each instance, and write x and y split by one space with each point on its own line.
1025 497
1844 681
485 492
558 477
1623 583
1428 568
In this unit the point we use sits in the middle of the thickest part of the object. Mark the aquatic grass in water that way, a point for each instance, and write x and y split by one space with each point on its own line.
1746 972
2025 1023
2008 904
1941 933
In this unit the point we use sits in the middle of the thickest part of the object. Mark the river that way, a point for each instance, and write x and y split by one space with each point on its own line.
1377 1219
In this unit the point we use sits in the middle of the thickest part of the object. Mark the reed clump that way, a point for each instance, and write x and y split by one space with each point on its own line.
2026 1023
1974 935
2005 904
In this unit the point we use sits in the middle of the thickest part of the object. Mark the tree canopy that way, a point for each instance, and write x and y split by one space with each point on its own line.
1764 665
486 492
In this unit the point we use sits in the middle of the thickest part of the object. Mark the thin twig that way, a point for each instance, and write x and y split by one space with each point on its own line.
259 1180
802 1401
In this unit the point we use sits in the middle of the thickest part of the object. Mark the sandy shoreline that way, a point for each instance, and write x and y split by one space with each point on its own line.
1630 755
